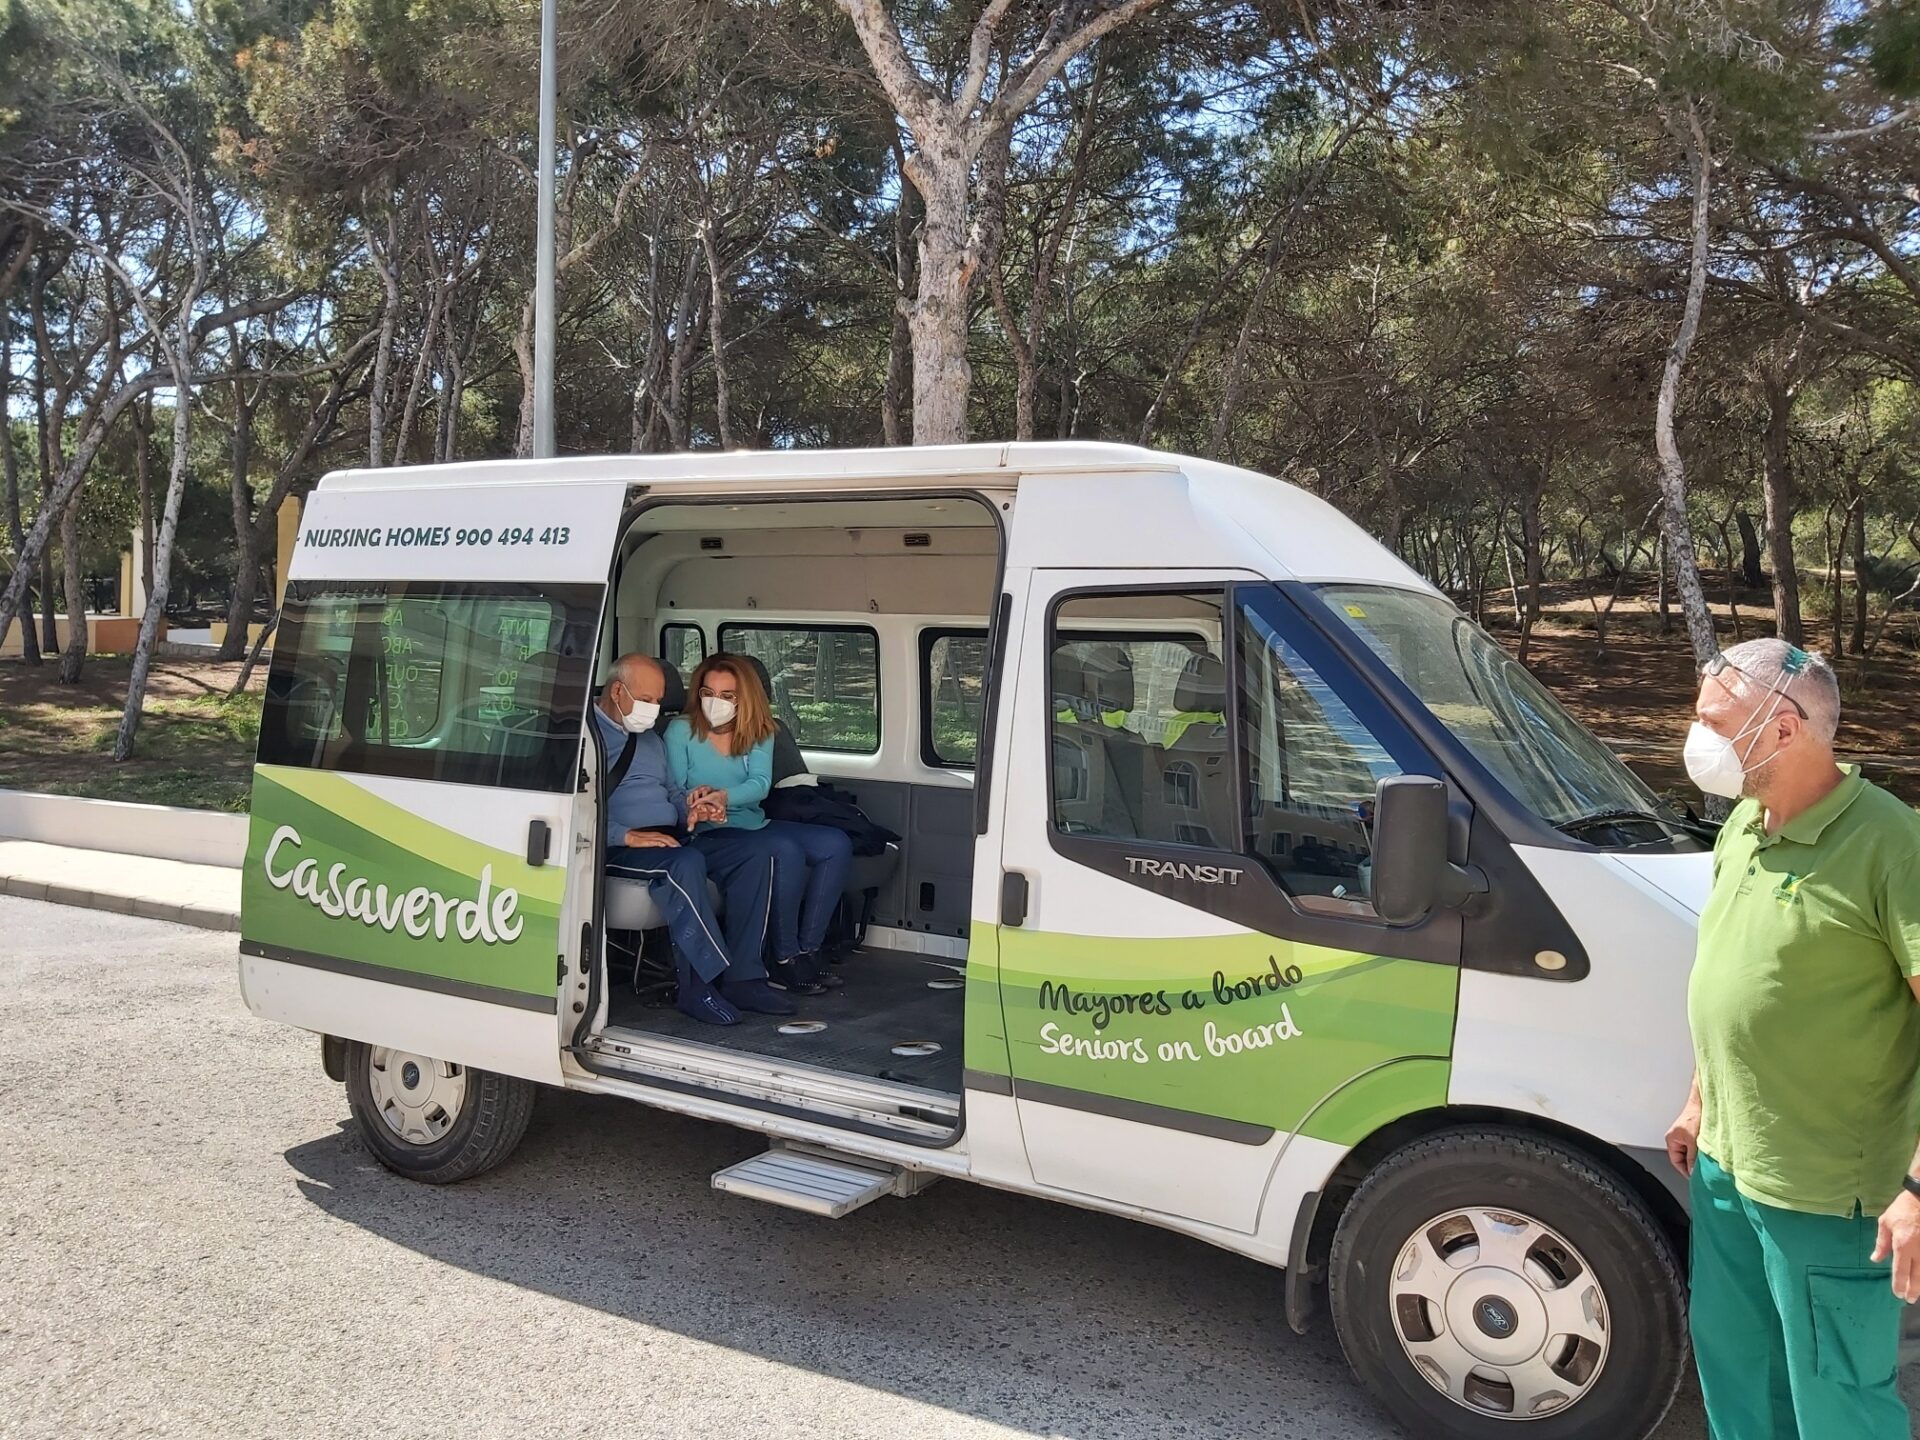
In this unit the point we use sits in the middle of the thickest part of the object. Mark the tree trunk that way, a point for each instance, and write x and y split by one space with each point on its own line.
182 367
143 477
29 641
1860 579
1751 575
686 331
939 315
1836 589
73 658
386 263
717 333
49 631
246 563
899 383
1781 503
1675 524
1664 599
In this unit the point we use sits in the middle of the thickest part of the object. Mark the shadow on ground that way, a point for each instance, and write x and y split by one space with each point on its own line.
1014 1310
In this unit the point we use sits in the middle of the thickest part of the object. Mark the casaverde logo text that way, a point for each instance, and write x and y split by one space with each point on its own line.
491 917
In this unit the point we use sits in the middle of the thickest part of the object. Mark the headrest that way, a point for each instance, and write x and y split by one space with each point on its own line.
1203 686
1072 687
758 666
673 697
1109 678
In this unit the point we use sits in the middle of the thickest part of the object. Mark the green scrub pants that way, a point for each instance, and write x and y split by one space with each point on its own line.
1795 1331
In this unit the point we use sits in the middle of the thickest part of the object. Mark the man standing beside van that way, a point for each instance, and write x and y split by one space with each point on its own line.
649 820
1801 1131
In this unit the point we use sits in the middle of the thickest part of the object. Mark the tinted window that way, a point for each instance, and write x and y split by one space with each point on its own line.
1311 768
469 684
826 680
1137 707
682 646
953 679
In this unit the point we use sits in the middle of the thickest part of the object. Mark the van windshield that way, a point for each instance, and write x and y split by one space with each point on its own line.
1505 717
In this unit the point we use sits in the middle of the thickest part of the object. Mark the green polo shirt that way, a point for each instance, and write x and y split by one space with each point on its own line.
1806 1035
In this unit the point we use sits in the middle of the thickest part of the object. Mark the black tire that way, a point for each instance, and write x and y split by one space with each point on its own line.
1630 1256
492 1117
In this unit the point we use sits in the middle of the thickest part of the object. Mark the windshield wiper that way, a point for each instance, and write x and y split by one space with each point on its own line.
1601 819
1611 818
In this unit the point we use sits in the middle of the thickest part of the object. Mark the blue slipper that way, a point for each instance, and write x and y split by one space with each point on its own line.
706 1006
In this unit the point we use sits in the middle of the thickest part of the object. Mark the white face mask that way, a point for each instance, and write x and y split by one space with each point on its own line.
641 716
1719 765
718 712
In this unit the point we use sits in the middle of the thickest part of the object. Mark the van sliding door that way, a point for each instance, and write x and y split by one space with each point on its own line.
412 829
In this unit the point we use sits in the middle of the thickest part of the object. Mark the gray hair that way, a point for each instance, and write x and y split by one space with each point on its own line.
628 667
1803 676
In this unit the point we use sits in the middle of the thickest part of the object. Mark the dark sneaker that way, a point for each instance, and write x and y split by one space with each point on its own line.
795 976
758 997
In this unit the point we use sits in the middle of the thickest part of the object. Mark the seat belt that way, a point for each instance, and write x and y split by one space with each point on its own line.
623 764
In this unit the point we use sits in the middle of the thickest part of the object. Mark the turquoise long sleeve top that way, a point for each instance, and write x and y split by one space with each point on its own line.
747 779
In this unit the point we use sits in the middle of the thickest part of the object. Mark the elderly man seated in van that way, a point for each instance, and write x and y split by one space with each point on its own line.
649 820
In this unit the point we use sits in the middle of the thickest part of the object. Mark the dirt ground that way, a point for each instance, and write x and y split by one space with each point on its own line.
1638 694
195 744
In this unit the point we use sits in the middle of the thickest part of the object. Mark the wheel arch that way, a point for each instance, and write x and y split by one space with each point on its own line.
1320 1211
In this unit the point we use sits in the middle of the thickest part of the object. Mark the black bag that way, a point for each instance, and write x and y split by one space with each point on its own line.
824 805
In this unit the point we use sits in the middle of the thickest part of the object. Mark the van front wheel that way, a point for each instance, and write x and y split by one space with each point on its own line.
1487 1277
431 1120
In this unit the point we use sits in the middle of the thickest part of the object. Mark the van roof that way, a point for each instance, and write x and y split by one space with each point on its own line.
1207 509
891 467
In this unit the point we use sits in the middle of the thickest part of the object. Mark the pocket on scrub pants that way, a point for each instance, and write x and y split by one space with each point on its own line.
1856 1326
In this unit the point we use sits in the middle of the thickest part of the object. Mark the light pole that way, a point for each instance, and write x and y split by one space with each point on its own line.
543 263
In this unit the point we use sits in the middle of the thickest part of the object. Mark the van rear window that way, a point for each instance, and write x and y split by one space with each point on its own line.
826 680
468 684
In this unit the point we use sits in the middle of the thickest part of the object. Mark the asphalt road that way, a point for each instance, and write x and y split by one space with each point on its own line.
192 1242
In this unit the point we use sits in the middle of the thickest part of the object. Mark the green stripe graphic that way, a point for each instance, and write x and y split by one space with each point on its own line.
339 824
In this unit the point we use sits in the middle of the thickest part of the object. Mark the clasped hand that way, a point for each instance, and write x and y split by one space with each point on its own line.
707 804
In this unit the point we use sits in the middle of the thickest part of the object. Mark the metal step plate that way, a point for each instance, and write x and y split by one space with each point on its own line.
802 1180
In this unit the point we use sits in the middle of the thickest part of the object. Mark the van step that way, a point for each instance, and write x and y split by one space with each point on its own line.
810 1180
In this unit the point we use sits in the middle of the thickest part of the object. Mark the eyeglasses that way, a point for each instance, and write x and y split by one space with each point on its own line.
1718 665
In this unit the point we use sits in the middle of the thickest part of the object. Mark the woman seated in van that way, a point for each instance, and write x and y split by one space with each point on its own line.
723 746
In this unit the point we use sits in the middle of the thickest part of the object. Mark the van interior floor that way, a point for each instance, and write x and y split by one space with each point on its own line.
890 1000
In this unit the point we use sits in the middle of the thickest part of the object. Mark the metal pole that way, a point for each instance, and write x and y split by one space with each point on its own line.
543 245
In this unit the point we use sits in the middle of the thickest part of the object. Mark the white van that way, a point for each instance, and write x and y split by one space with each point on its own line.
1244 887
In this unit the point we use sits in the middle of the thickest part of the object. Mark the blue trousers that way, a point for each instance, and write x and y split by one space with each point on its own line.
676 878
809 876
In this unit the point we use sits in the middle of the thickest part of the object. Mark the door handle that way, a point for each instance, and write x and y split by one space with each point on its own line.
1013 898
539 842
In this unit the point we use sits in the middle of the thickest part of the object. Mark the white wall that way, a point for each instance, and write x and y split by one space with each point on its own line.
199 837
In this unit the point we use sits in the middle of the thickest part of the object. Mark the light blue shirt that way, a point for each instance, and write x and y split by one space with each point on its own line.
747 779
647 798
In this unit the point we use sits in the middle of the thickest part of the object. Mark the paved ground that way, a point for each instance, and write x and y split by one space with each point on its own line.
192 1244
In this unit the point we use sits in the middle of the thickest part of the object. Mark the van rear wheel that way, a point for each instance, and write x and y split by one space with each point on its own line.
1490 1283
432 1120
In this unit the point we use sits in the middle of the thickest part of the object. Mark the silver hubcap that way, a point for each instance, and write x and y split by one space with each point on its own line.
1500 1314
417 1097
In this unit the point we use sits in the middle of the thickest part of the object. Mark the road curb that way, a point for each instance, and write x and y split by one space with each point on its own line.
198 916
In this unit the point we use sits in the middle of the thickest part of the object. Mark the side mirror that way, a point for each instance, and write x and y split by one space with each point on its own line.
1412 875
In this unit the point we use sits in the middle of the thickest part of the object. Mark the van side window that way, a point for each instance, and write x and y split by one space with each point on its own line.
1311 769
953 673
1137 709
826 680
470 684
683 646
